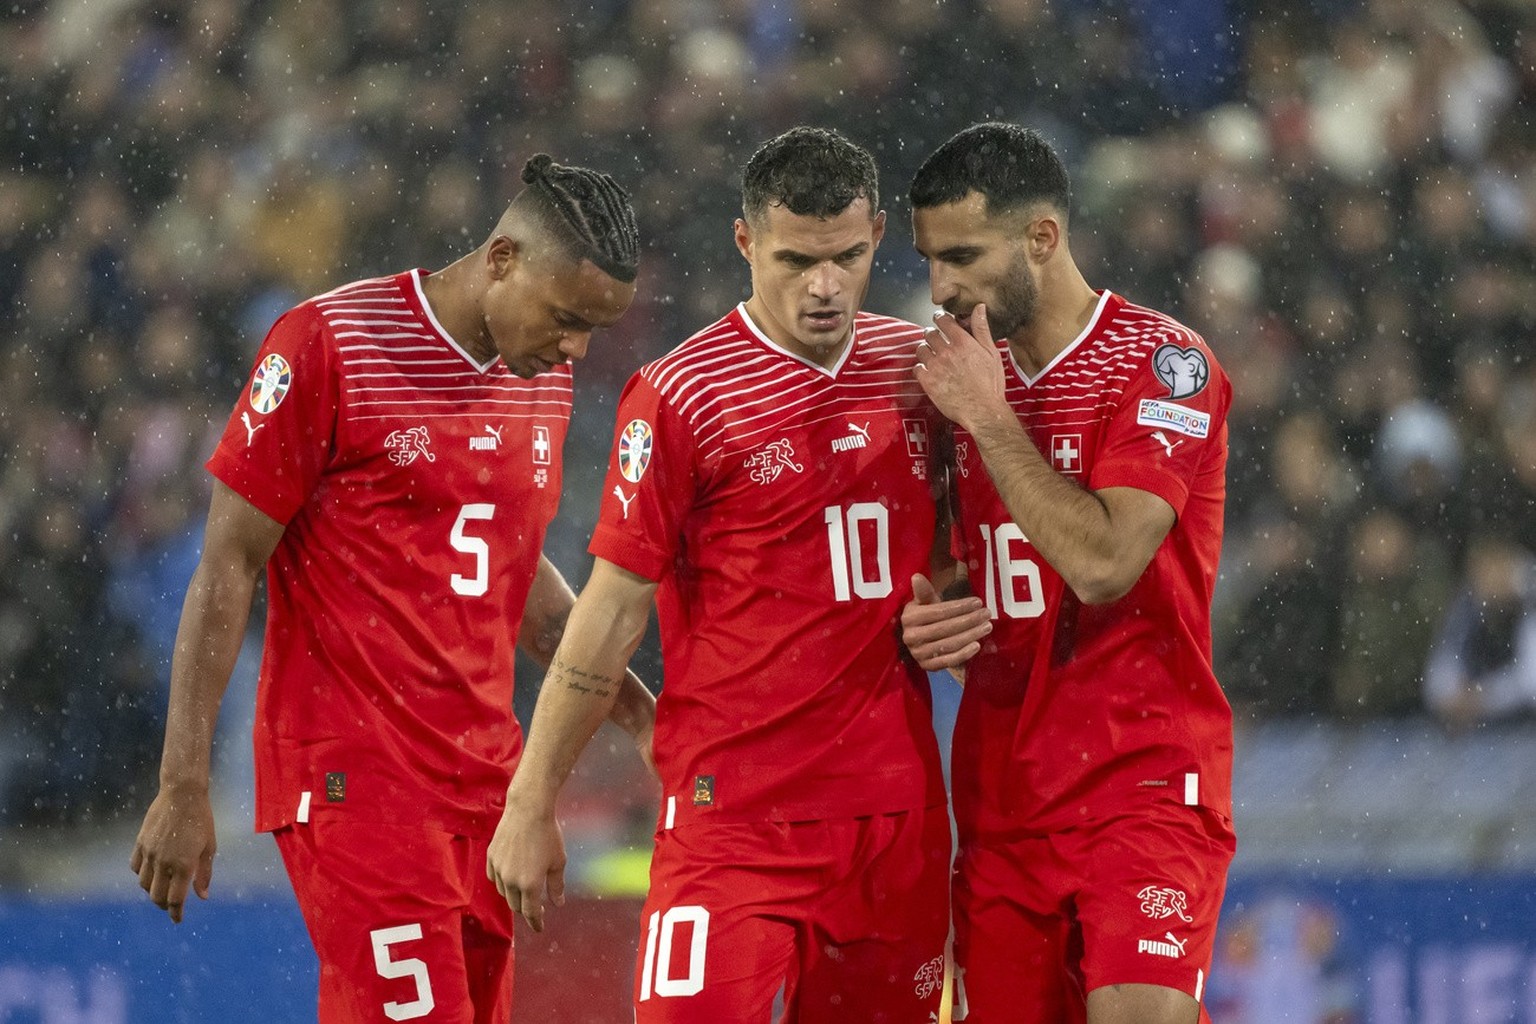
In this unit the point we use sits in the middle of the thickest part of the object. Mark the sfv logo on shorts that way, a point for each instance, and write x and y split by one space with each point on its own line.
404 445
1172 948
929 978
1160 903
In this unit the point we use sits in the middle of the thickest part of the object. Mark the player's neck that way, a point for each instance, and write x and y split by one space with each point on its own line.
824 356
455 303
1066 309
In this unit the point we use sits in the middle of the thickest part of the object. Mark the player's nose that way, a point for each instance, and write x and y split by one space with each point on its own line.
826 281
941 286
573 345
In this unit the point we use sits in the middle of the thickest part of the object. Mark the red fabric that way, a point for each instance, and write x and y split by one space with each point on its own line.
400 894
416 487
1040 921
849 916
1075 713
764 500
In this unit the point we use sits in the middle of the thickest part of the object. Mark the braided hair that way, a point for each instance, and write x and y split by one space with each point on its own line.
587 211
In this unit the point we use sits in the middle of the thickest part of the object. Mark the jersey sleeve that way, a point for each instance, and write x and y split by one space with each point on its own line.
279 437
1170 421
650 485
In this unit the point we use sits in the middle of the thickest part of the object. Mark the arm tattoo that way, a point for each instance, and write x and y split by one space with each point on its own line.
590 683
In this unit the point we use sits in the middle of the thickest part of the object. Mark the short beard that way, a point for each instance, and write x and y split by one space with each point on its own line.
1017 301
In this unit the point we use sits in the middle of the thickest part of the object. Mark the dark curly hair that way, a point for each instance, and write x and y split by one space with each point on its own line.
1010 165
810 172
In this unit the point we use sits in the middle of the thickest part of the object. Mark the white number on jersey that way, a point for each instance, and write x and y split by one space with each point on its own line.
845 542
658 954
471 586
382 939
1017 579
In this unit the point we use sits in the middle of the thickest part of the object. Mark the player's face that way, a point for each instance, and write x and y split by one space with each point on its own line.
974 258
540 310
810 275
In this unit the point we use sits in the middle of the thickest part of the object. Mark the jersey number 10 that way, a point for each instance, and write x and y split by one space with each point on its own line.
848 531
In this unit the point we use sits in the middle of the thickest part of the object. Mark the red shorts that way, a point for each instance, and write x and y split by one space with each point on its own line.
848 917
1042 921
404 921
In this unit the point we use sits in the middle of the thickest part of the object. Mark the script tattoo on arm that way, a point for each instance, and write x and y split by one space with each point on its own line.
579 679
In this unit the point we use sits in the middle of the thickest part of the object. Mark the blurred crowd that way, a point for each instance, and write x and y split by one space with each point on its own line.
1340 196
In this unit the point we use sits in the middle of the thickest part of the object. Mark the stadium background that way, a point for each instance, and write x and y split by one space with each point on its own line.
1340 196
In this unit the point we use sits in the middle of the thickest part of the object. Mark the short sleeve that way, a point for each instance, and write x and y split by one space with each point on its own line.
280 436
1170 422
650 485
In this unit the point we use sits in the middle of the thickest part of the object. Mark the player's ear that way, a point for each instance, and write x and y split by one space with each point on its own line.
879 227
744 239
1044 237
501 255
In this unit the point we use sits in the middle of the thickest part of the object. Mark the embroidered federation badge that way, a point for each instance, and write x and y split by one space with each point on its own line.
270 383
635 450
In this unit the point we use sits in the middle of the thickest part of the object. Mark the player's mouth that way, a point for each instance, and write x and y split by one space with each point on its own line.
825 319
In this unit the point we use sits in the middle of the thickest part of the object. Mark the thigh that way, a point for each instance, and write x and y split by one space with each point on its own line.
1151 898
384 908
1016 949
875 944
717 935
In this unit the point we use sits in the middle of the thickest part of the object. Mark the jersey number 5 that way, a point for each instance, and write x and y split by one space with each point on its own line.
476 585
409 967
855 570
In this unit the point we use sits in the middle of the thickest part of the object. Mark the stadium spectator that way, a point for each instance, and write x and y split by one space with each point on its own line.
1482 668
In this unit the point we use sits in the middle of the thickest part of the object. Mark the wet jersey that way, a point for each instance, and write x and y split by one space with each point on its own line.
1075 712
783 507
415 484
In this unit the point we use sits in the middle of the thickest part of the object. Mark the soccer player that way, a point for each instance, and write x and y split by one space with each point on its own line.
394 464
770 486
1092 753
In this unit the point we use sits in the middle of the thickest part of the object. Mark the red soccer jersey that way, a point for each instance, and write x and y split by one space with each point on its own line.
784 508
416 485
1075 712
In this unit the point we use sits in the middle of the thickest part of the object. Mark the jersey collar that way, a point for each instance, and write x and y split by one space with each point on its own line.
417 276
829 371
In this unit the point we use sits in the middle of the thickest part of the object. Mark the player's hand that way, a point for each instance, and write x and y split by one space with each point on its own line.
526 859
175 848
942 634
961 371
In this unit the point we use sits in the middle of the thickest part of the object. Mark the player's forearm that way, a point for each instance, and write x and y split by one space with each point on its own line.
634 710
1069 526
208 640
585 679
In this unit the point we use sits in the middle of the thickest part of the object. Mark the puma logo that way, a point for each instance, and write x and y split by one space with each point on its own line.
250 428
618 492
1162 439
